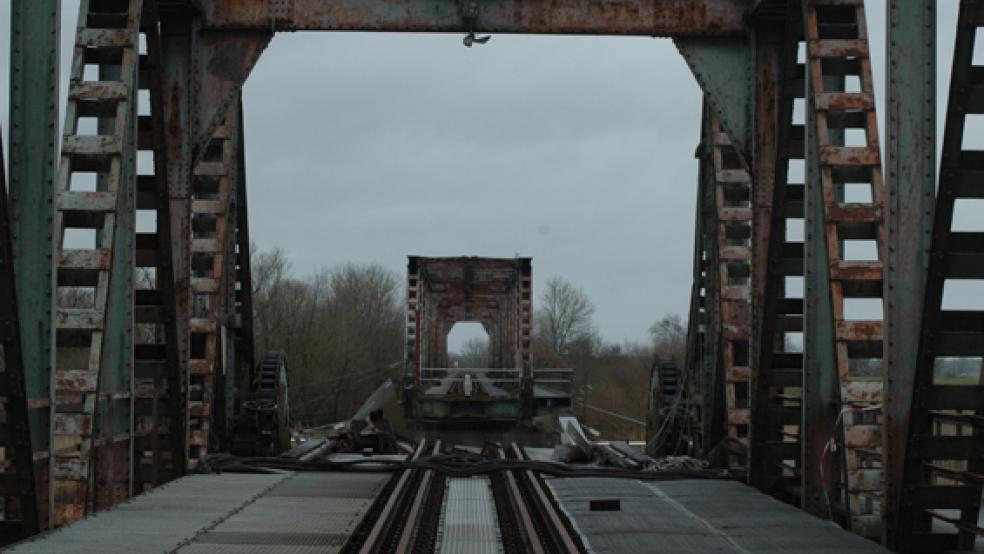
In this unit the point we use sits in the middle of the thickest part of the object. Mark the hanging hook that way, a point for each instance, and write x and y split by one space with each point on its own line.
470 15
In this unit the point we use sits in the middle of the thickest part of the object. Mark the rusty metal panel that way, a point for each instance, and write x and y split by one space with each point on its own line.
654 18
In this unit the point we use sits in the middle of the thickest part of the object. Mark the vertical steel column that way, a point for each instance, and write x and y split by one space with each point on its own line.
910 179
231 318
158 400
714 416
177 41
245 361
820 466
34 41
524 334
768 44
775 464
696 331
412 345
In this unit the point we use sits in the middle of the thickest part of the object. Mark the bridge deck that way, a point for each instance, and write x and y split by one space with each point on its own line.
305 512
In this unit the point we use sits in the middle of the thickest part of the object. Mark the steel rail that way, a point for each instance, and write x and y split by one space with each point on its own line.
557 530
516 499
408 534
377 536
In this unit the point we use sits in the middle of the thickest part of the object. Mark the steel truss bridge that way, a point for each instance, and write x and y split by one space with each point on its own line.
123 350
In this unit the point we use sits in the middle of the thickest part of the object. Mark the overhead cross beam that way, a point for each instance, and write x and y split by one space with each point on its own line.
657 18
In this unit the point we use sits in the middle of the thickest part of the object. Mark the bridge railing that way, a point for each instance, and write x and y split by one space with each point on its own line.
495 381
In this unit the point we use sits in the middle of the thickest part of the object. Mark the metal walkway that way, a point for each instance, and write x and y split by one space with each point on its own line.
696 516
232 512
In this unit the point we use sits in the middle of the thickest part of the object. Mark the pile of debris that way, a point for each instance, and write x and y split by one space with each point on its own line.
575 448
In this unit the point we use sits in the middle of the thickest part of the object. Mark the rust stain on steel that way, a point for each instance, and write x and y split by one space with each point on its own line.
75 381
628 17
859 330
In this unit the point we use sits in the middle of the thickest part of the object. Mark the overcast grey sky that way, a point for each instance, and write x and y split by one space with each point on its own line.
576 151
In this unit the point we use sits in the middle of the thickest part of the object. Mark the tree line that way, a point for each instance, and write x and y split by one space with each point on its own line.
342 331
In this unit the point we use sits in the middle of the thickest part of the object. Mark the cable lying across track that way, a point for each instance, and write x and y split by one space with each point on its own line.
453 465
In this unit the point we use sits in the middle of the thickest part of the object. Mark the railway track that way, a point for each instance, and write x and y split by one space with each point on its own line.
411 513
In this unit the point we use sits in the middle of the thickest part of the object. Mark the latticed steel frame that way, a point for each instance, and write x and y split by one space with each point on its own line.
135 400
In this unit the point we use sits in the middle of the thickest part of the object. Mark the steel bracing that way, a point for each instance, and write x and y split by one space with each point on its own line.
817 314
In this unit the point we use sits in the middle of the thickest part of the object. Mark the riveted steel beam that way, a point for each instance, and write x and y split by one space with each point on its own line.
178 38
778 309
34 40
603 17
821 467
910 183
222 63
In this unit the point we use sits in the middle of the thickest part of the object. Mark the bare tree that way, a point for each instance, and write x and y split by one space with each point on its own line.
564 318
669 336
342 330
474 353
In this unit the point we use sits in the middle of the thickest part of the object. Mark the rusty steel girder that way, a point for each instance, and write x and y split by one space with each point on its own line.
656 18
